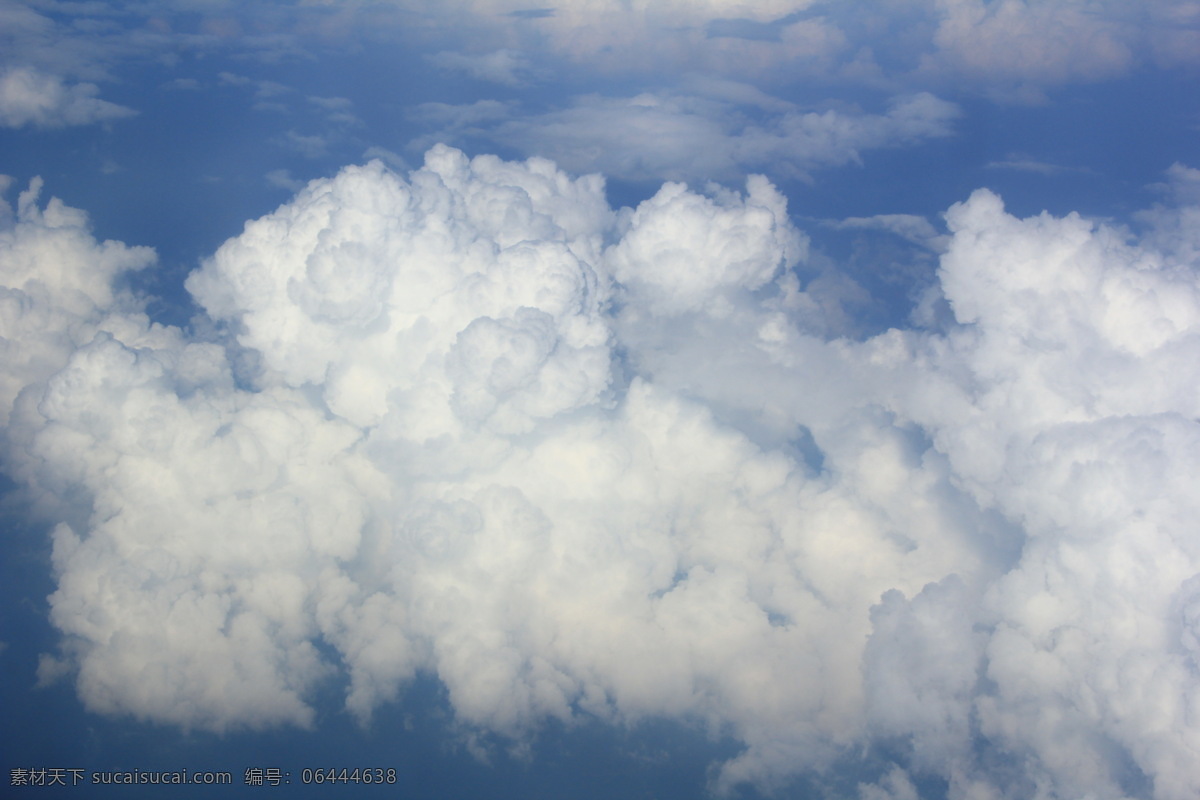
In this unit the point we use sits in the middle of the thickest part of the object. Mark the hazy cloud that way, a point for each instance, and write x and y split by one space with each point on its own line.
505 67
30 97
1031 42
1015 50
182 84
283 179
917 230
338 110
696 137
1025 163
308 145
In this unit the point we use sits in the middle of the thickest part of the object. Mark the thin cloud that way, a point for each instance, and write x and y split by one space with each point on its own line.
1024 163
915 229
1012 51
183 85
532 13
686 137
308 145
505 67
283 179
338 110
32 98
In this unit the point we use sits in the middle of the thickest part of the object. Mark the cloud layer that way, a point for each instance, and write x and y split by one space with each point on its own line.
717 133
30 97
1007 48
578 461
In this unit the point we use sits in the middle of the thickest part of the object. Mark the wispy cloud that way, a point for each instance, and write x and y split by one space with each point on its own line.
505 67
338 110
696 137
32 98
1024 163
917 230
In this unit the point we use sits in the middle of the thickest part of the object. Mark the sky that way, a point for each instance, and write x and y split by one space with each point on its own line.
613 398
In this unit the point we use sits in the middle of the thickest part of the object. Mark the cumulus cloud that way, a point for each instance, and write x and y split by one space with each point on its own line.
577 461
1076 420
31 97
57 288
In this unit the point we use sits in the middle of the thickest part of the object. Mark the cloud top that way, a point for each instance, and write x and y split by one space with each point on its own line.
578 461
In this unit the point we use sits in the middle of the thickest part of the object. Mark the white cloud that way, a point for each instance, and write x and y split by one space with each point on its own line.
455 117
338 110
896 785
1012 50
6 210
484 425
233 79
1075 418
182 84
30 97
1182 184
332 103
1174 228
683 137
283 179
505 67
615 37
308 145
917 230
682 251
1039 42
57 288
268 94
394 160
1173 34
1025 163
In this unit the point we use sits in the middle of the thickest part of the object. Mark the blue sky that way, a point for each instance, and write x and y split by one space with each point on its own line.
643 399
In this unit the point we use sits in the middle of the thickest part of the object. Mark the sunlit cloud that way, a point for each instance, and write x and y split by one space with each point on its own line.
473 421
747 394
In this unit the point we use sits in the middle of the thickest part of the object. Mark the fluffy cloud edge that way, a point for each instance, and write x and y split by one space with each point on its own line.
425 493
